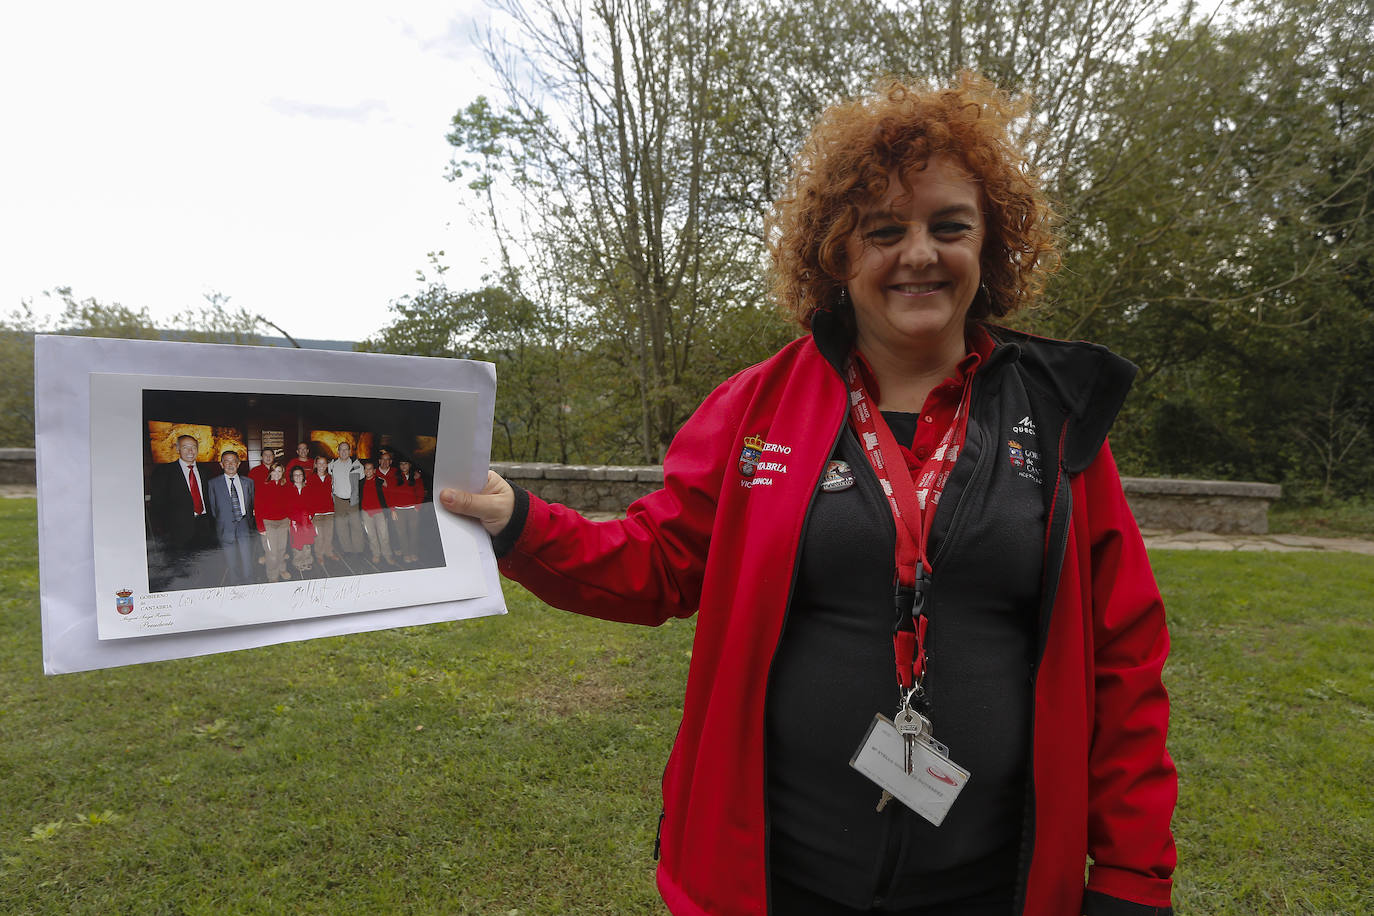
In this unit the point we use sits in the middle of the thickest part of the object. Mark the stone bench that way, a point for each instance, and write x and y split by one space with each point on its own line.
1219 506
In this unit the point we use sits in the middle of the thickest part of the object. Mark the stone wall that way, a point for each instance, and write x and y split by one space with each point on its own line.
1223 507
16 466
1220 506
588 488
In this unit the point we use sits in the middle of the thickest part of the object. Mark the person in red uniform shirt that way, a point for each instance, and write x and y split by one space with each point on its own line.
407 493
376 506
263 470
321 487
302 460
300 504
274 522
908 481
386 465
259 475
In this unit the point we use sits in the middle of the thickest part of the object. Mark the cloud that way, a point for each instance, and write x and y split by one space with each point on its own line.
460 39
358 113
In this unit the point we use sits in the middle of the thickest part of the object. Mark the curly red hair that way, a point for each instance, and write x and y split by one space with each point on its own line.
848 162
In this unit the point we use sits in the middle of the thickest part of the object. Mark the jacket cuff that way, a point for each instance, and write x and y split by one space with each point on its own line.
1099 904
503 542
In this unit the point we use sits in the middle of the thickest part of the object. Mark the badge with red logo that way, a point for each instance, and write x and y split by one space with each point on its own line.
1025 459
750 454
1016 453
920 776
124 601
942 776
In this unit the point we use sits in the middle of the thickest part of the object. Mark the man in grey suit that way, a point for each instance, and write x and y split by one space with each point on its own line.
230 497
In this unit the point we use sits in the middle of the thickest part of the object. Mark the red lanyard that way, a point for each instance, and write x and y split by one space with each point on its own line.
913 505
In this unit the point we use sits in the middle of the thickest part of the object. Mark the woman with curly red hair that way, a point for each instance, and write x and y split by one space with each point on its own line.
926 675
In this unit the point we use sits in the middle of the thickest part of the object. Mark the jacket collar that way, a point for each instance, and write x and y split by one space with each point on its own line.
833 333
1087 382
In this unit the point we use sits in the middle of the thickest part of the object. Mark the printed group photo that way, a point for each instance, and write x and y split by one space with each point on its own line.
227 502
223 497
243 488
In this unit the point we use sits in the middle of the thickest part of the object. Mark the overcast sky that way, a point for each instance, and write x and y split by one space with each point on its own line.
288 154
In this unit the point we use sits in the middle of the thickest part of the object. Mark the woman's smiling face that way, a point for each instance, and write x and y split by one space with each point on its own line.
914 259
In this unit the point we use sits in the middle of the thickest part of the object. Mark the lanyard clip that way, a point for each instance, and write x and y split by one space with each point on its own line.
909 632
910 600
904 602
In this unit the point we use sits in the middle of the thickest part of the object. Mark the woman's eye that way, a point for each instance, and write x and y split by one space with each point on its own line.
886 233
949 229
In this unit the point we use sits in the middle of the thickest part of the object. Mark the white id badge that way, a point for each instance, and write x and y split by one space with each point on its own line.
933 783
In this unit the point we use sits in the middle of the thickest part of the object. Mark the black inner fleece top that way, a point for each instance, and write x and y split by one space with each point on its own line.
834 670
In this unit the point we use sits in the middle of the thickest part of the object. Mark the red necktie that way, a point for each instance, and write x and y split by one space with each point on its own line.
195 491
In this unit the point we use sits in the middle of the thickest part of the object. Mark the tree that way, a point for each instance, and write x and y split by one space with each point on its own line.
536 353
641 142
16 378
1220 225
215 322
91 318
610 133
1213 172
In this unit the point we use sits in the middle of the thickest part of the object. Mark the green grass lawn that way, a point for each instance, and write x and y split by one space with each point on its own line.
1351 518
511 765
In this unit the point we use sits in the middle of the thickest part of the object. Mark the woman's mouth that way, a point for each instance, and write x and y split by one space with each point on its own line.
916 289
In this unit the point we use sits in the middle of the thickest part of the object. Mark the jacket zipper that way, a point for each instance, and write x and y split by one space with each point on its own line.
768 682
1062 506
980 470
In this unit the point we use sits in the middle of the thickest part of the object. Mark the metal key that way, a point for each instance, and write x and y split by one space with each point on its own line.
911 725
886 797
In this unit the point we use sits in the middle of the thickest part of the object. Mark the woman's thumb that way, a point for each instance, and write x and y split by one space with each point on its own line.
492 507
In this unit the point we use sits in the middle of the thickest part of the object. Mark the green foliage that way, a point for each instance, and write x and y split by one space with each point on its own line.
512 763
614 142
553 389
16 379
90 318
213 323
1214 171
1335 519
1218 233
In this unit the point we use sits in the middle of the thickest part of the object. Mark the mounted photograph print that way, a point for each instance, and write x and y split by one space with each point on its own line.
200 498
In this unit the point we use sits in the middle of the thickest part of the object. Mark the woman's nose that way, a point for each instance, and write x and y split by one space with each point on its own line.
918 248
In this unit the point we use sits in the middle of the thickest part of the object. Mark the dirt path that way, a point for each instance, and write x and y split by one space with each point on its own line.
1283 543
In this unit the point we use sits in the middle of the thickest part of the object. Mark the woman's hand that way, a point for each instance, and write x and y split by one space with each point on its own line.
492 507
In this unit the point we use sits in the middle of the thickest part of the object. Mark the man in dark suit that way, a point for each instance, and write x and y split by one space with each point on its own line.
180 520
230 499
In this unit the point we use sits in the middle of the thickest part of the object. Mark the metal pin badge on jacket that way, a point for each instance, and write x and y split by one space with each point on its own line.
838 476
